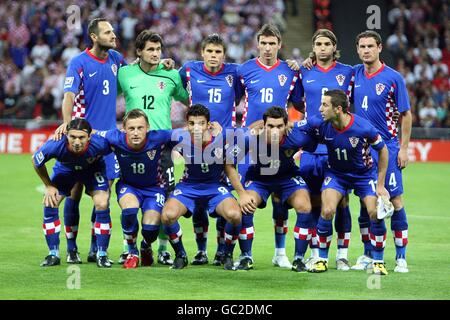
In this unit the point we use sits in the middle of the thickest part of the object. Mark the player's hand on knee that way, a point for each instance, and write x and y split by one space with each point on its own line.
51 197
62 129
308 63
293 64
168 63
247 203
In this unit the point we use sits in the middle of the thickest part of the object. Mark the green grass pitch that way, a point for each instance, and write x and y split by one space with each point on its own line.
23 247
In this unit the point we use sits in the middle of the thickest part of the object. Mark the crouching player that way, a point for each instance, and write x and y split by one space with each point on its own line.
275 171
348 138
79 158
141 184
203 186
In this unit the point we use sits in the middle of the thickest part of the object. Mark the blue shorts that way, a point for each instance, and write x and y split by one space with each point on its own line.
150 198
363 185
112 166
201 197
312 168
394 180
93 179
282 187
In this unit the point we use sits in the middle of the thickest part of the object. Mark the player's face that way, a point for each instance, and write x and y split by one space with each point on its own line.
323 48
151 53
368 50
275 129
197 126
106 37
136 130
326 109
268 47
213 56
78 140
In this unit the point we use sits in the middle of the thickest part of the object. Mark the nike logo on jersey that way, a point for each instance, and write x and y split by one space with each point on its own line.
390 190
133 87
357 86
254 81
201 81
309 81
101 185
329 139
92 74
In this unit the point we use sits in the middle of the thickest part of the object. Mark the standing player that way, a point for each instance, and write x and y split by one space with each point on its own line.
138 152
203 186
350 166
79 160
90 91
326 74
215 85
379 92
274 170
267 81
149 87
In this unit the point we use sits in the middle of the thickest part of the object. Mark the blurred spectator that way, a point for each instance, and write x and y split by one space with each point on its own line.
8 103
428 114
40 53
47 101
26 104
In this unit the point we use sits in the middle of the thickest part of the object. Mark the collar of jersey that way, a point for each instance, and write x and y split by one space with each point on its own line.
135 150
347 126
160 67
213 73
94 57
327 69
370 76
267 68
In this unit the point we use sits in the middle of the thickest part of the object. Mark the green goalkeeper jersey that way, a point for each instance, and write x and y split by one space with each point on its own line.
151 92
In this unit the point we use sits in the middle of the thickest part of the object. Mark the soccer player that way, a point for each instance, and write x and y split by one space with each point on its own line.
267 81
274 170
79 160
379 92
141 185
214 84
350 166
326 74
203 187
90 91
149 87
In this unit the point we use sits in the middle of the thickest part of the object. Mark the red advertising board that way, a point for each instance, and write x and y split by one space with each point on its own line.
14 141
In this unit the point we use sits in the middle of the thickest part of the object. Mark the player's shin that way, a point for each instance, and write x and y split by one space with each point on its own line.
343 227
130 228
150 234
52 227
399 226
102 230
220 227
302 234
325 234
71 222
280 220
377 235
231 236
246 235
93 247
201 225
314 242
175 234
364 224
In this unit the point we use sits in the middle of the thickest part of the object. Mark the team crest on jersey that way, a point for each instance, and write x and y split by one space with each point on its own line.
327 180
218 152
151 154
114 69
282 79
354 141
340 78
161 85
288 153
122 191
379 87
176 192
229 79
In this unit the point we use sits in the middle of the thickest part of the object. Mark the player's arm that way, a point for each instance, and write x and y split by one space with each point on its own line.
383 158
402 159
246 201
51 195
67 106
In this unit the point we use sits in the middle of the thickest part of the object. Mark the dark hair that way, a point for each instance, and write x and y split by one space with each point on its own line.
338 98
276 112
369 34
93 25
198 110
147 35
215 39
327 34
269 30
79 124
134 114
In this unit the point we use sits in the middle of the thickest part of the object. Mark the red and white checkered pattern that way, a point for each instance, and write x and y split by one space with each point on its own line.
52 227
314 242
401 238
130 238
175 237
71 232
291 87
390 109
281 226
366 157
201 232
188 84
364 234
324 242
230 239
378 241
302 233
343 239
244 114
102 228
247 233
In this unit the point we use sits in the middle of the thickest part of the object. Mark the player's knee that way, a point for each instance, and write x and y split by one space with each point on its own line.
372 214
101 203
234 217
328 212
168 217
397 202
302 205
